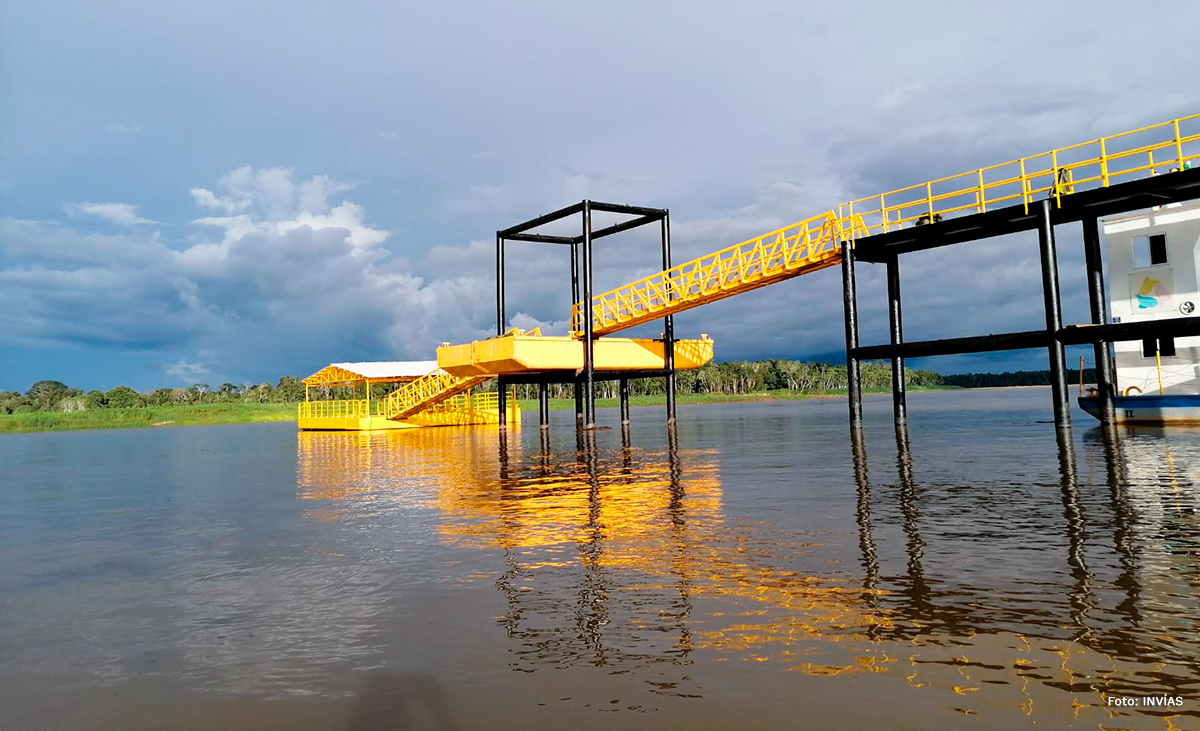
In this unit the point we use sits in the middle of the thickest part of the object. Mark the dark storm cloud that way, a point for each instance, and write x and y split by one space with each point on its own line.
157 207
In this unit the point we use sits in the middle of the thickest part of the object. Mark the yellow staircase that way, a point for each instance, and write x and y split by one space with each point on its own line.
428 390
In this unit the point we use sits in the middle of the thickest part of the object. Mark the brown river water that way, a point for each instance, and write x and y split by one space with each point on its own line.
753 569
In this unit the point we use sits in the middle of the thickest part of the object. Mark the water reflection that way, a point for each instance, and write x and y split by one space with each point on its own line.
1036 595
591 578
1110 647
397 701
1076 525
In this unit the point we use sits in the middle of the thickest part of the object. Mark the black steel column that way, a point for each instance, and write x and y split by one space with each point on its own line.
502 402
899 406
624 400
575 276
499 285
544 405
866 537
1053 304
850 305
668 325
589 375
1105 382
574 301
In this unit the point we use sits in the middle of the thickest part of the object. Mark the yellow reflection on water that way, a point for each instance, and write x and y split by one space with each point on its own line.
623 556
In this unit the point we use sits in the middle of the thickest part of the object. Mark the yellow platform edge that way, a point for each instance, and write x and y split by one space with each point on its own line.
512 354
356 415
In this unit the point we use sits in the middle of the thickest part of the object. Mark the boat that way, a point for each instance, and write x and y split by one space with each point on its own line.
1150 408
1153 260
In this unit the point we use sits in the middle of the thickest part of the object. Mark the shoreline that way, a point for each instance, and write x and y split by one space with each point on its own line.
151 417
561 404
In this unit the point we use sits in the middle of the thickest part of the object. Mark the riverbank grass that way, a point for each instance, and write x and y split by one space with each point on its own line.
148 416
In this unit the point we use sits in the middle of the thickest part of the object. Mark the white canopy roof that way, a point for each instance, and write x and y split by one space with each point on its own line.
390 368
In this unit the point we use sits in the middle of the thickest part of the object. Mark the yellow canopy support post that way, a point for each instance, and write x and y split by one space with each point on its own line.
1158 362
1081 375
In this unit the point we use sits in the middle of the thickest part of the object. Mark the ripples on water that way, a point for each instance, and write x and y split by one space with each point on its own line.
756 570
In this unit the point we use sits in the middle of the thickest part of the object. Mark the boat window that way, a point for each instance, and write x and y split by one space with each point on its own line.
1164 346
1149 250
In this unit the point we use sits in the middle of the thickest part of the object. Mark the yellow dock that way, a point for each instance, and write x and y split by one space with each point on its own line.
519 352
361 411
439 393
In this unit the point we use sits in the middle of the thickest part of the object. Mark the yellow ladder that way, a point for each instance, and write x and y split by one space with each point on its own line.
428 390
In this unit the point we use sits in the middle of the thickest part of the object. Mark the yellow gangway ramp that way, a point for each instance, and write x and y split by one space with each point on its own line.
815 242
428 390
788 252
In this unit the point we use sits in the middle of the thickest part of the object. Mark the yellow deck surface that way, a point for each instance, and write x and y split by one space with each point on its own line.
533 353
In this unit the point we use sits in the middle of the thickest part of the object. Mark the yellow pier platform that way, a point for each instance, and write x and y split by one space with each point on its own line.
363 411
439 393
518 352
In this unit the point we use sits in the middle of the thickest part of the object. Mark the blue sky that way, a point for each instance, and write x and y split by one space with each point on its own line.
237 191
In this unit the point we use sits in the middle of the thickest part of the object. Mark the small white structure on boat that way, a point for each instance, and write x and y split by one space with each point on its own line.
1154 273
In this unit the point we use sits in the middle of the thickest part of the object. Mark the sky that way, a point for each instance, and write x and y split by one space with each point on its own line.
230 192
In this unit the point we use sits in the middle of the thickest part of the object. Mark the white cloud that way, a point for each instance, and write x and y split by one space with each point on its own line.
267 201
116 128
482 198
290 281
187 372
902 93
271 192
124 214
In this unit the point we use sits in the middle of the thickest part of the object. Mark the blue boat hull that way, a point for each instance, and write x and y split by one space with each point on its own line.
1149 408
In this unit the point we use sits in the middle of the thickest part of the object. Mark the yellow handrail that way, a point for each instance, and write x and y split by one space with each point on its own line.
428 390
813 243
341 408
806 246
475 403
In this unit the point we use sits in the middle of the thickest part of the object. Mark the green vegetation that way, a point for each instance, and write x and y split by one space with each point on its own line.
562 404
55 406
143 416
1017 378
53 396
739 378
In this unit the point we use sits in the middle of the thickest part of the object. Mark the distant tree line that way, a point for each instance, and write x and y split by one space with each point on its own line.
742 377
57 396
1014 378
735 377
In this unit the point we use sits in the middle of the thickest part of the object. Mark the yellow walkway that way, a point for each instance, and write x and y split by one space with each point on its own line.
806 246
813 244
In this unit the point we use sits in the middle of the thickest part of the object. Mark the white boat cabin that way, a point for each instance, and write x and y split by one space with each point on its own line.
1153 261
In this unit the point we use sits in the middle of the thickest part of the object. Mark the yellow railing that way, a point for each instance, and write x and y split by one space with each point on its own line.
791 251
358 408
349 408
1098 163
482 401
812 244
428 390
